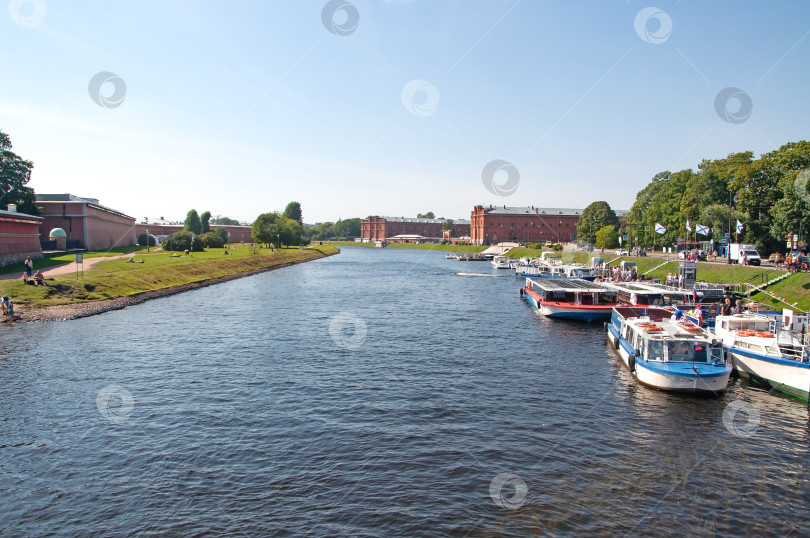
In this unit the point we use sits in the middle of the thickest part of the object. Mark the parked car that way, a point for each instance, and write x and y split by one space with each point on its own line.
776 258
621 252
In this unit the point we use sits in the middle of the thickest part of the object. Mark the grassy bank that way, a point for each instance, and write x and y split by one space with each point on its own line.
116 278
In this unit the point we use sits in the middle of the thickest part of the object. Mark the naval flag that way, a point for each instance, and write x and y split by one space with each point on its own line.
688 227
702 230
660 229
739 227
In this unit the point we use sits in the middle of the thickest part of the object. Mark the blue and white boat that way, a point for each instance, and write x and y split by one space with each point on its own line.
667 354
570 298
768 350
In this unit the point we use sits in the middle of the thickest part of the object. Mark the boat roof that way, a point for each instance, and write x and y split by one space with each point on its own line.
577 285
654 313
648 288
670 328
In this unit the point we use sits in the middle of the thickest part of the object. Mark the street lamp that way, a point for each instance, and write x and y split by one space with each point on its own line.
278 244
147 240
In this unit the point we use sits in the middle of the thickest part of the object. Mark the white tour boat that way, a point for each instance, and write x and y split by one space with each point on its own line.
667 354
769 350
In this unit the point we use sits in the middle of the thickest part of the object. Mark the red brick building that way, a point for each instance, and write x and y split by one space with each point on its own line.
88 224
19 237
375 228
492 224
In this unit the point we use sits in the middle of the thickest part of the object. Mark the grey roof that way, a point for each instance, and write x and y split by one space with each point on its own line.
54 198
3 212
423 221
532 210
65 198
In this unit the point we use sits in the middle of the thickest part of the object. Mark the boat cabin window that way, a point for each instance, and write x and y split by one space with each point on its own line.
684 351
655 350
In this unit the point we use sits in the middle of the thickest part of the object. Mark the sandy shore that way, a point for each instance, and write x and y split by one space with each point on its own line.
81 310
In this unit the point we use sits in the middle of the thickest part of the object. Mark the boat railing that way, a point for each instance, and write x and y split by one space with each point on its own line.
793 345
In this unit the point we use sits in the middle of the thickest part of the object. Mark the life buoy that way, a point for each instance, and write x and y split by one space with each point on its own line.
763 334
745 332
631 363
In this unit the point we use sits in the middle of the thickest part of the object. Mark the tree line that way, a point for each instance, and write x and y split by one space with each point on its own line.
768 196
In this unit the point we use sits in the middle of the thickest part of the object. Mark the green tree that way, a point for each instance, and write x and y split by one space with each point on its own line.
193 223
225 221
449 225
607 237
205 227
211 240
291 232
293 211
428 215
593 218
182 241
221 232
267 227
15 173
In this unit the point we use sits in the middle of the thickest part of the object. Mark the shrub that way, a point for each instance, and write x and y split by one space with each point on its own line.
211 240
182 241
557 247
534 246
142 240
463 243
221 232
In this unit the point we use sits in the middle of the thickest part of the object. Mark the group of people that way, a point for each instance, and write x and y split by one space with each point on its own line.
793 263
29 277
674 280
616 274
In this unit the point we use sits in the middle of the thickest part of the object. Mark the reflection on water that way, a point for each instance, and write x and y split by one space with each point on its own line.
374 392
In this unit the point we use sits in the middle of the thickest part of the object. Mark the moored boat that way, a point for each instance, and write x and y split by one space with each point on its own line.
668 354
504 262
768 351
570 298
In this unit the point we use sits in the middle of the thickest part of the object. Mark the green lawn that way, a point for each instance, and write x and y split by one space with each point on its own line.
116 278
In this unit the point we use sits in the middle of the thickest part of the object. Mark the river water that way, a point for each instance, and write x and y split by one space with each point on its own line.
377 392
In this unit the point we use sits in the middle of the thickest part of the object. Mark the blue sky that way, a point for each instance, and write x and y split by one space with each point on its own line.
241 107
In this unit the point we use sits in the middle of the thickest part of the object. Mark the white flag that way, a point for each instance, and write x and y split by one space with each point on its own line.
660 229
688 227
702 230
739 227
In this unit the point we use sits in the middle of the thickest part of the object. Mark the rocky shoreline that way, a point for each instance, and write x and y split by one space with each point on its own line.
81 310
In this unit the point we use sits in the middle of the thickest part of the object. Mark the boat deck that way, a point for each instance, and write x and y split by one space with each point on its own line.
571 285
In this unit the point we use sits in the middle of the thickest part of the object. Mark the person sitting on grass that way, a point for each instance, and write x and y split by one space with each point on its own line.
39 279
132 260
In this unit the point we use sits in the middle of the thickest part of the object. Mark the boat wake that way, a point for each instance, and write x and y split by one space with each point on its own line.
481 274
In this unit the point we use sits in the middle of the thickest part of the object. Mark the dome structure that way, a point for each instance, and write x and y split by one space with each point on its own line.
57 232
